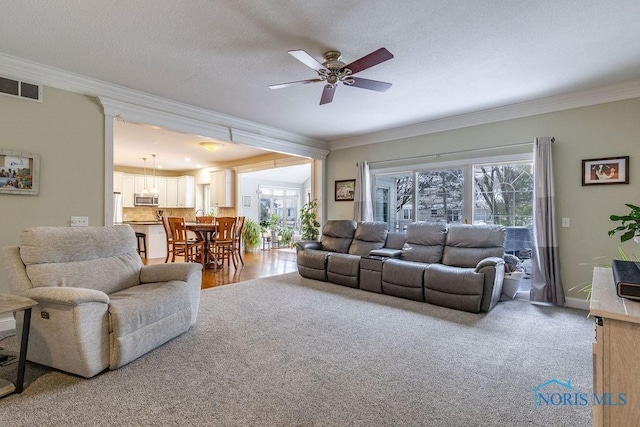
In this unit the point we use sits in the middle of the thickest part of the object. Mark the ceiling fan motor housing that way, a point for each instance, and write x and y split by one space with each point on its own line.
335 70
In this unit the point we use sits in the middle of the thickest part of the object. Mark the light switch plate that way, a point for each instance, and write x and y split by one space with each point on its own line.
566 222
79 221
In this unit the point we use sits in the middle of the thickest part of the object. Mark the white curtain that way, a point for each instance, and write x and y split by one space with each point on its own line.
363 206
546 286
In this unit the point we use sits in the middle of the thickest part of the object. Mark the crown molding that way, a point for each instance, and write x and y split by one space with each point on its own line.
261 141
617 92
143 104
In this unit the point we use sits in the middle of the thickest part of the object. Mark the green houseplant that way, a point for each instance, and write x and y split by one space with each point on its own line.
309 220
250 234
629 224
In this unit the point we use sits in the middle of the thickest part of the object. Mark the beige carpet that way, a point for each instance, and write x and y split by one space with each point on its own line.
286 351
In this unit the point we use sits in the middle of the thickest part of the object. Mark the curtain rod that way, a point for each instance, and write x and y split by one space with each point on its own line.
426 156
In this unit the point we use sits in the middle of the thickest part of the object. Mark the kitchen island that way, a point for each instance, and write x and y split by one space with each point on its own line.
155 239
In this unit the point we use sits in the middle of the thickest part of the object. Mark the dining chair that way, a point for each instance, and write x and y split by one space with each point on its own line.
223 240
190 249
237 239
168 236
205 219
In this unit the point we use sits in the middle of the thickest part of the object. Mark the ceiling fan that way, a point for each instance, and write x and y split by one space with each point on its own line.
333 71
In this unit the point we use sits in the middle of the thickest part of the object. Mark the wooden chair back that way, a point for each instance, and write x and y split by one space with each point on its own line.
205 219
225 230
178 229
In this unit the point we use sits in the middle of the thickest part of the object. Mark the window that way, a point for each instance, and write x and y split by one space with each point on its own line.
503 194
493 192
440 195
382 204
282 202
398 189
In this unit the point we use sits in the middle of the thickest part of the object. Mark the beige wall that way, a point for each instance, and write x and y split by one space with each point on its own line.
67 131
605 130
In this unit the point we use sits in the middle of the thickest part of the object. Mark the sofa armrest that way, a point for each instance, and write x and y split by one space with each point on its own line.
308 244
489 262
167 272
66 296
386 252
493 270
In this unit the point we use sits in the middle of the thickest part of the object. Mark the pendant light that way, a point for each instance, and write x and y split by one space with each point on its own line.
154 189
144 190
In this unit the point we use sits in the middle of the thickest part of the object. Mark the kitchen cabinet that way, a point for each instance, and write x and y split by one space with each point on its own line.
172 192
161 185
155 239
221 188
141 183
117 182
186 191
616 351
176 192
128 190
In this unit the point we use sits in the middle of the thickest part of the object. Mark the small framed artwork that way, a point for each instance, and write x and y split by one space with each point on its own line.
19 172
246 201
345 190
608 170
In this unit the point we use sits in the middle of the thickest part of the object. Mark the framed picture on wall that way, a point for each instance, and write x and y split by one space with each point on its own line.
246 201
345 190
608 170
19 172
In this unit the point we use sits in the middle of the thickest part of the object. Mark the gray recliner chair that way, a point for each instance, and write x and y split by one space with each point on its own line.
312 256
344 269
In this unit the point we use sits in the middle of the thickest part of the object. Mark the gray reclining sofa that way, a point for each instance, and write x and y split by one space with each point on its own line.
457 266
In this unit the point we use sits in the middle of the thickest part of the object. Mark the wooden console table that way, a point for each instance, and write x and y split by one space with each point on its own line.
616 353
11 304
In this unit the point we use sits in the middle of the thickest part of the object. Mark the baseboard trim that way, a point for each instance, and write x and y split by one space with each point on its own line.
579 303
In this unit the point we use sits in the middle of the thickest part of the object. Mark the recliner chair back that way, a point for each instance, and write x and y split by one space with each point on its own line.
337 235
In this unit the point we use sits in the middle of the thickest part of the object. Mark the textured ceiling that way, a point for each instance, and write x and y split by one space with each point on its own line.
451 57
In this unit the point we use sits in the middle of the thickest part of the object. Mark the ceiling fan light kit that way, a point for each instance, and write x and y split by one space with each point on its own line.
334 71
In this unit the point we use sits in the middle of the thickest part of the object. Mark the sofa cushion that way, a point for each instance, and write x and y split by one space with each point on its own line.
145 316
100 258
395 240
343 269
337 235
467 245
312 264
368 236
454 287
403 279
424 242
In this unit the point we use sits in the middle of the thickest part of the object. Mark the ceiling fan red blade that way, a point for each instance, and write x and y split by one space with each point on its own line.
327 94
299 82
370 84
367 61
307 59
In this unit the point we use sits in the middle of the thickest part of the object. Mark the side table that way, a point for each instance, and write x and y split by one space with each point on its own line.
12 304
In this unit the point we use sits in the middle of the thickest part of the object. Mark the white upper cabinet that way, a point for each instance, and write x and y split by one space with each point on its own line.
186 191
128 190
117 182
221 187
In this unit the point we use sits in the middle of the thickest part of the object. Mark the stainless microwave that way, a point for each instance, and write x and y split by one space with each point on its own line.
145 199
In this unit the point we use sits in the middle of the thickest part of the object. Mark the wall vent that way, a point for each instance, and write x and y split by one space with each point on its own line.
20 89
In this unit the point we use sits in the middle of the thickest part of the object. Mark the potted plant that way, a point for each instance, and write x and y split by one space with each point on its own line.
309 220
250 234
629 224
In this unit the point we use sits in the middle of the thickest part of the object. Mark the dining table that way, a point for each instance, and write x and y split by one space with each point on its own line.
205 232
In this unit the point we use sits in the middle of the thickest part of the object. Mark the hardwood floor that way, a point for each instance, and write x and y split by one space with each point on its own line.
257 264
